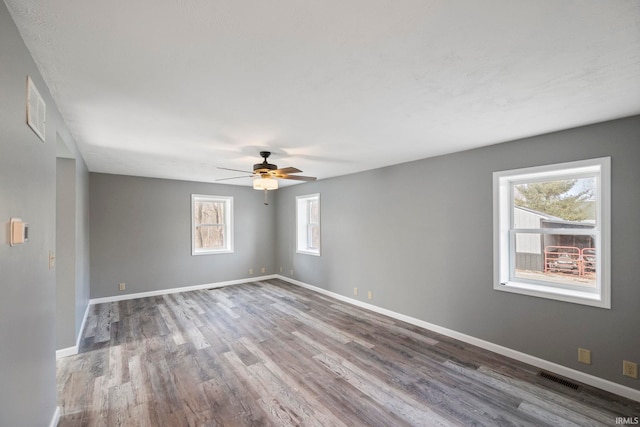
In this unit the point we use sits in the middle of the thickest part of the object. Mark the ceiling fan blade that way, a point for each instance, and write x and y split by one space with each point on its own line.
235 170
297 177
234 177
287 170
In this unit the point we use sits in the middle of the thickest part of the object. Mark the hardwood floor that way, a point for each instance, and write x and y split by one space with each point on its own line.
270 353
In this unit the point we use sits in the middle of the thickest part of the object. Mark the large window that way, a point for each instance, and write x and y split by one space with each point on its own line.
211 224
308 224
552 231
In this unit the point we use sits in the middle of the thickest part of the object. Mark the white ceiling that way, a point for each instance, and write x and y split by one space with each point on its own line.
174 89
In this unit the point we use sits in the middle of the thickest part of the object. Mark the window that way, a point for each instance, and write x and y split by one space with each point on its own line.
211 224
308 224
552 231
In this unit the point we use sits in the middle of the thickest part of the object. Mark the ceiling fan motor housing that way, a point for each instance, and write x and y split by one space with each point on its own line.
265 166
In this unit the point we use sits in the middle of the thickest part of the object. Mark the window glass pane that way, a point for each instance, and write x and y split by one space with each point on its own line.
567 203
314 216
560 259
209 237
209 212
314 236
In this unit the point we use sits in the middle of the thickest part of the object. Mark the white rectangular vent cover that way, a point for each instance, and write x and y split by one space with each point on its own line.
36 110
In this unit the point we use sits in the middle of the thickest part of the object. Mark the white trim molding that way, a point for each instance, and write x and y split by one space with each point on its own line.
304 244
507 231
65 352
56 417
177 290
70 351
84 320
227 224
582 377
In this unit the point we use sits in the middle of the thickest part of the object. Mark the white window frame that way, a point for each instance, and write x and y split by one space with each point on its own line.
504 234
303 222
228 230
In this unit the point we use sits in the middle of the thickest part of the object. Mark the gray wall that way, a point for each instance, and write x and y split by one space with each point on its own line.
82 241
72 243
419 235
65 253
28 191
72 246
31 329
141 235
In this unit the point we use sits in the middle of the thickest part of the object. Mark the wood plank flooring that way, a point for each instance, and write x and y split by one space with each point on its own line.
273 354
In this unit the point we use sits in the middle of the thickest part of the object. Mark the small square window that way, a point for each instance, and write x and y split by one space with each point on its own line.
552 231
211 224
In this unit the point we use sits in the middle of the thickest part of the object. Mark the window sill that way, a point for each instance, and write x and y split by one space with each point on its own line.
548 292
225 251
315 253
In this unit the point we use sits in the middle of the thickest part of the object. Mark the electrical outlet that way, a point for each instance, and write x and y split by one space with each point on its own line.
370 295
292 272
263 270
122 286
629 369
584 356
280 269
52 260
251 271
355 291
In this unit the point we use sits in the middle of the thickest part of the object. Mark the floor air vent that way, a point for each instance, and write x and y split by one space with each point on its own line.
559 380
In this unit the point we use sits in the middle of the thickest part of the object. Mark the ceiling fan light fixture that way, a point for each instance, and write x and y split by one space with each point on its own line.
261 183
266 175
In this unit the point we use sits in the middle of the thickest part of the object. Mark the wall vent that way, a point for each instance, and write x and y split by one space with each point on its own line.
559 380
36 110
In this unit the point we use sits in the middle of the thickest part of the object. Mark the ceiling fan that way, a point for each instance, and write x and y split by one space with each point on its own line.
265 175
269 171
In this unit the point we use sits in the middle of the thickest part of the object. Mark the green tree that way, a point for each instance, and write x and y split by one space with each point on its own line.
556 198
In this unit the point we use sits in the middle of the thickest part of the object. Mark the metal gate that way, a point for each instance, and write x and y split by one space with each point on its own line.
569 259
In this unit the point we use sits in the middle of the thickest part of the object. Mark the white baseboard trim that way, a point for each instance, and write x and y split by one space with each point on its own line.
582 377
56 418
84 320
70 351
178 290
